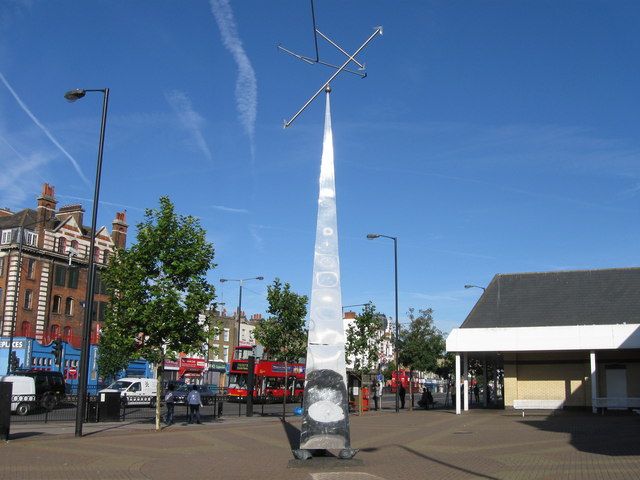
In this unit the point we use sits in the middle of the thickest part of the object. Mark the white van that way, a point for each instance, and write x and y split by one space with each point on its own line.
137 391
23 393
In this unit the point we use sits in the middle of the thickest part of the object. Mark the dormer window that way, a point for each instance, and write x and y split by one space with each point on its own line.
30 238
6 236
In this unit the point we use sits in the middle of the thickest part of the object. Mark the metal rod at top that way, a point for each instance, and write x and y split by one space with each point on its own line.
378 31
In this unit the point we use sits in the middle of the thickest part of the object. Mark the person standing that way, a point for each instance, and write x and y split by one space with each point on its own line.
402 392
374 387
194 401
169 400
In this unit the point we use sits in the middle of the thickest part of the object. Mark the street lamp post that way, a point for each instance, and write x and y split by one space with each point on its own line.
72 96
372 236
240 281
475 286
354 305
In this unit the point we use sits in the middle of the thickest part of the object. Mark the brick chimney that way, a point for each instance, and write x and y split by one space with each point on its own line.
75 210
5 212
350 315
47 203
119 229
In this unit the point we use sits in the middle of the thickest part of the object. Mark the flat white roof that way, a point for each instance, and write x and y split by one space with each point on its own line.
530 339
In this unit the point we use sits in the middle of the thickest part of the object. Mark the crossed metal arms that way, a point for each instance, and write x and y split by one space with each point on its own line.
350 58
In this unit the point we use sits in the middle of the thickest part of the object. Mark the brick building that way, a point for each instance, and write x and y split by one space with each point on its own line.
51 286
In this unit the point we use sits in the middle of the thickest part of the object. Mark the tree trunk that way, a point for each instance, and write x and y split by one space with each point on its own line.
158 393
284 397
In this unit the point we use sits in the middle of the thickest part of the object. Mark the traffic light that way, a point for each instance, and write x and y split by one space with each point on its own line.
57 351
14 362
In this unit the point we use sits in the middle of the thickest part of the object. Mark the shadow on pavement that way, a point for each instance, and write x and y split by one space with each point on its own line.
293 435
614 434
19 435
449 465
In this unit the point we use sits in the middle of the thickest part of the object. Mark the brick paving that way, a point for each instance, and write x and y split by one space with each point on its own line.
422 444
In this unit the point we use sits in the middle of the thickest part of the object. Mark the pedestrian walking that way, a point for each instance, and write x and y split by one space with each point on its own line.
476 392
169 400
402 392
194 401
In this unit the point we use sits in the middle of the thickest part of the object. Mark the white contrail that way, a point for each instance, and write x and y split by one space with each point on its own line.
43 128
247 84
190 119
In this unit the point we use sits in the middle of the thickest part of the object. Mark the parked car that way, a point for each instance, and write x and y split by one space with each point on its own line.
23 393
136 391
206 393
49 386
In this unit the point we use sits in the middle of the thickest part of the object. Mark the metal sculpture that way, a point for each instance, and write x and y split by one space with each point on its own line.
325 420
339 69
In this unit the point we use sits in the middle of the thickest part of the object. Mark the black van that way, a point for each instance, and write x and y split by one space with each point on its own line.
50 387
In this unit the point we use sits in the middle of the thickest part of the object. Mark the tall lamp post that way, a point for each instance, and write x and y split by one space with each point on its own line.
372 236
83 374
475 286
240 281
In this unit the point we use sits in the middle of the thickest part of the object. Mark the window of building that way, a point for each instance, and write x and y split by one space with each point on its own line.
68 306
216 336
225 335
96 254
0 295
73 277
6 236
1 266
226 353
105 256
28 299
57 303
62 245
31 268
67 333
30 238
55 331
60 275
74 245
26 329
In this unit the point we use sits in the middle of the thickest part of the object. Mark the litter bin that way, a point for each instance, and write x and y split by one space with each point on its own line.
92 409
109 406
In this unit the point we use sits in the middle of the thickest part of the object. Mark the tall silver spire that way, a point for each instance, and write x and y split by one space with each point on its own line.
325 423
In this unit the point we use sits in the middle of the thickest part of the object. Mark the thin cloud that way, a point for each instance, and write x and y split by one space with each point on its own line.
43 128
247 84
103 202
257 238
190 119
222 208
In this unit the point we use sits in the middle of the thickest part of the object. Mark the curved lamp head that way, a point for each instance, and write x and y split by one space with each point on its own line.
468 286
222 280
372 236
73 95
259 278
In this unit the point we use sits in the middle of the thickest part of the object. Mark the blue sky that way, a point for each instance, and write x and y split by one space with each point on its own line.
490 137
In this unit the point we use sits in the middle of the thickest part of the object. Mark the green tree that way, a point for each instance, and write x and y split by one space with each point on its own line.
158 288
421 344
363 343
283 334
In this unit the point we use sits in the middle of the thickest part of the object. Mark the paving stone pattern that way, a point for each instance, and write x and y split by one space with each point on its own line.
414 445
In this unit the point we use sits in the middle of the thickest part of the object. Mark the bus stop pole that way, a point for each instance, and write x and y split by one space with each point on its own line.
250 384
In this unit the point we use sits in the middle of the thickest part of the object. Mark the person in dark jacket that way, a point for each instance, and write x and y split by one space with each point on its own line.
170 402
402 392
194 401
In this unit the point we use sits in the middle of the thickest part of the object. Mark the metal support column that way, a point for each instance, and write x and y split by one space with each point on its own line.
465 374
594 382
456 384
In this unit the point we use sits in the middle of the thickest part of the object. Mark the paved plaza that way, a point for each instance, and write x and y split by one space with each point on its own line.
488 444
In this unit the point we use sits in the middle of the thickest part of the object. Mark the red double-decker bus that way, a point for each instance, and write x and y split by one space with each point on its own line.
269 377
404 379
